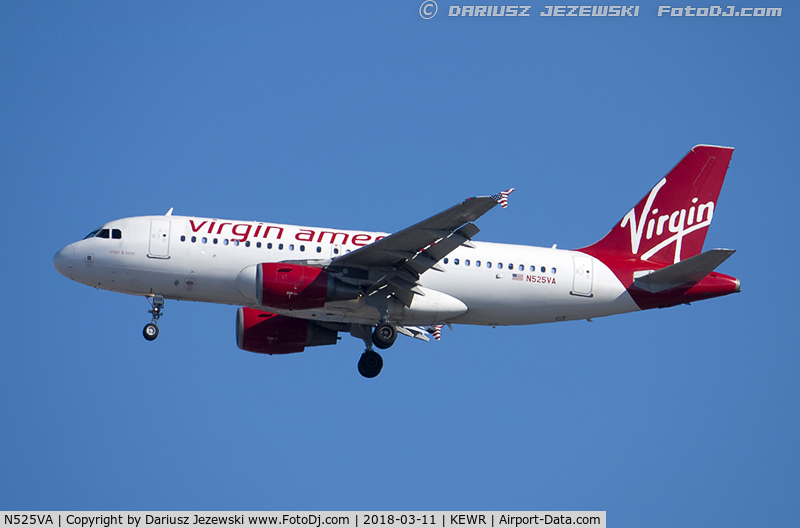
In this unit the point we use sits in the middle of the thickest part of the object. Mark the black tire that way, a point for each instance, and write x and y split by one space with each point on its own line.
384 336
370 364
150 331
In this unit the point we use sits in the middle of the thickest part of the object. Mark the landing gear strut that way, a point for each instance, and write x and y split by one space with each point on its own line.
150 330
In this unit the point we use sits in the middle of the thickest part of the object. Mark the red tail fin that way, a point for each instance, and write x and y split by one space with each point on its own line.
670 223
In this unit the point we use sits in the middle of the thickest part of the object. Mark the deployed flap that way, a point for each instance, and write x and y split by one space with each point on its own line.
403 256
693 269
405 244
414 331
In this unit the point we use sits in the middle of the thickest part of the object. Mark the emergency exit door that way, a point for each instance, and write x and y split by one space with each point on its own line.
582 278
159 239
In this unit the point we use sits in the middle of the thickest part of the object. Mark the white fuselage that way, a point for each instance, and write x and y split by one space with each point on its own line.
212 260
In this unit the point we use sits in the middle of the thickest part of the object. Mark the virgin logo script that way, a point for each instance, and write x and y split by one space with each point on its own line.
678 223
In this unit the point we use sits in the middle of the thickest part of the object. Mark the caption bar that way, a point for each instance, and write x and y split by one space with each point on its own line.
304 519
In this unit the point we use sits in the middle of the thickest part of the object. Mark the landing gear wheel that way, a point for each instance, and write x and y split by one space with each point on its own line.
150 331
384 336
370 364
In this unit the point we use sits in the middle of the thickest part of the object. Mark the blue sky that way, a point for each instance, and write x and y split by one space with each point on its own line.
363 115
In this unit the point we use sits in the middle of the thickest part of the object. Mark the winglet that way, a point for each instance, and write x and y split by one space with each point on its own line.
502 197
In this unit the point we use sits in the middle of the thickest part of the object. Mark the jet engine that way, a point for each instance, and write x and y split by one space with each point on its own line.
298 287
267 333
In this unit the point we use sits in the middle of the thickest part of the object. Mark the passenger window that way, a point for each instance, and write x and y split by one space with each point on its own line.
258 244
291 247
280 246
247 244
544 269
553 270
204 240
319 249
236 242
455 261
183 238
445 260
488 264
466 262
117 234
215 240
302 248
533 269
194 239
499 265
225 242
511 266
478 263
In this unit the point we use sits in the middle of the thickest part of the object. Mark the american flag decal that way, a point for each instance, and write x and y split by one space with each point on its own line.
502 197
517 276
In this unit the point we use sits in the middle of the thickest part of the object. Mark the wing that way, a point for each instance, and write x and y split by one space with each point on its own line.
402 257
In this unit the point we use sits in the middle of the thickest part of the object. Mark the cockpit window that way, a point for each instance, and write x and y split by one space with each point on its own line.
92 234
105 233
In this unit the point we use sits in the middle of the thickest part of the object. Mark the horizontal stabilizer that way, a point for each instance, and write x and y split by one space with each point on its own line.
691 270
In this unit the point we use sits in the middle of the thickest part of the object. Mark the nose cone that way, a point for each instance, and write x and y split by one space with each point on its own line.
64 261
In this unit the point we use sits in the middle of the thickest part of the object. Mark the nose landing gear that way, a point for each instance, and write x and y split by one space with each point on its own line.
150 331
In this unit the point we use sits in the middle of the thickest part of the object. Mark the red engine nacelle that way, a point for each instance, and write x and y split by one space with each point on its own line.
267 333
298 287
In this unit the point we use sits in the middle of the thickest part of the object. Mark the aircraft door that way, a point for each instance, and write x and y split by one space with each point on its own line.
159 239
582 278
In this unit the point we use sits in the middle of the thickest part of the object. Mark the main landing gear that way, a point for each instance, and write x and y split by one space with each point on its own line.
370 363
384 336
150 330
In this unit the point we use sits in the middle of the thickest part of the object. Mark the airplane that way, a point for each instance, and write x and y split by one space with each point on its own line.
301 286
